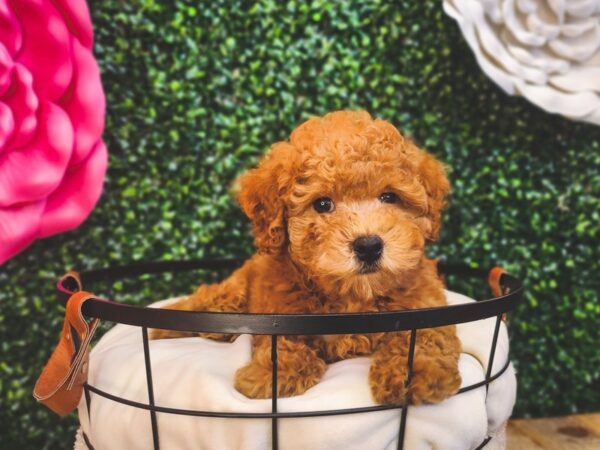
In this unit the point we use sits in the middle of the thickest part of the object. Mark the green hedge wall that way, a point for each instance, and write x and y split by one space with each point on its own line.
197 92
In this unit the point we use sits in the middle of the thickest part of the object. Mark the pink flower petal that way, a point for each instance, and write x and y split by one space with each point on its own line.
77 17
24 104
7 125
19 226
46 50
77 195
6 69
10 29
36 170
84 102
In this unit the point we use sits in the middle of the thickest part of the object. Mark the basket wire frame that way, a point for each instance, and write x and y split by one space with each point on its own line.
113 311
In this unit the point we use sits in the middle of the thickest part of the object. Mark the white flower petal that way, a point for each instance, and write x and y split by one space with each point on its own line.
593 117
527 6
515 22
578 79
593 61
536 57
558 6
577 48
574 105
582 8
494 46
493 10
543 22
578 27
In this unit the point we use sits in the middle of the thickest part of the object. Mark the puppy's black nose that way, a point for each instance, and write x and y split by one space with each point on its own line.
368 248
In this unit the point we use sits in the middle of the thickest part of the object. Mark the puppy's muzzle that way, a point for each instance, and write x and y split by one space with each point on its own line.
368 249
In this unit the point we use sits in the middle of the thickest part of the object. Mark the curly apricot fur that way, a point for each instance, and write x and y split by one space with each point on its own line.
305 262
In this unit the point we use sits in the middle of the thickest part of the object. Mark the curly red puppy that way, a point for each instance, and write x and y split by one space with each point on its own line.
341 215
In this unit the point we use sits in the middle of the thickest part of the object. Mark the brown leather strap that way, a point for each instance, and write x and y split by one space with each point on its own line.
72 275
494 280
60 384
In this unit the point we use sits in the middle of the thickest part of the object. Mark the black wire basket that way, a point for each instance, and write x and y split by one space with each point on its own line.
507 290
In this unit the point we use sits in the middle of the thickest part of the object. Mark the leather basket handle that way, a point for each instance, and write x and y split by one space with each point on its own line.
60 385
494 280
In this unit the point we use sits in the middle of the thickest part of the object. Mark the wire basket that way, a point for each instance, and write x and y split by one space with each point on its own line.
506 288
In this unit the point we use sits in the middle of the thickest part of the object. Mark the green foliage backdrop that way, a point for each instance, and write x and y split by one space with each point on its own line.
196 92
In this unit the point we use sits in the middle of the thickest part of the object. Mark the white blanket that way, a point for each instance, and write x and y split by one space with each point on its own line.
195 373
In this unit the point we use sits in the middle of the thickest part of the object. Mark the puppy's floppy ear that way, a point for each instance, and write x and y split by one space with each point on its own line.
432 175
263 193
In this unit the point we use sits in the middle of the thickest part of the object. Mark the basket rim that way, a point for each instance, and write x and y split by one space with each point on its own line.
286 324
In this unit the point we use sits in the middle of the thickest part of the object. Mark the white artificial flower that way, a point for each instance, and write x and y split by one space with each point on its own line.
548 51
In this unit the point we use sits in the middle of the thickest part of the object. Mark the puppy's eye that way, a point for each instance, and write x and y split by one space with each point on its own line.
388 197
323 205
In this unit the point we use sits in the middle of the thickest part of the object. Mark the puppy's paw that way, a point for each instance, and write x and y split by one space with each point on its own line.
255 380
156 333
433 380
219 336
388 382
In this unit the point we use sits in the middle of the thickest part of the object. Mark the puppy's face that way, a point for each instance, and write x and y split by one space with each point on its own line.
350 200
355 238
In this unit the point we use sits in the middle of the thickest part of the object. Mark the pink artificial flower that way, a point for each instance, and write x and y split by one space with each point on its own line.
52 158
